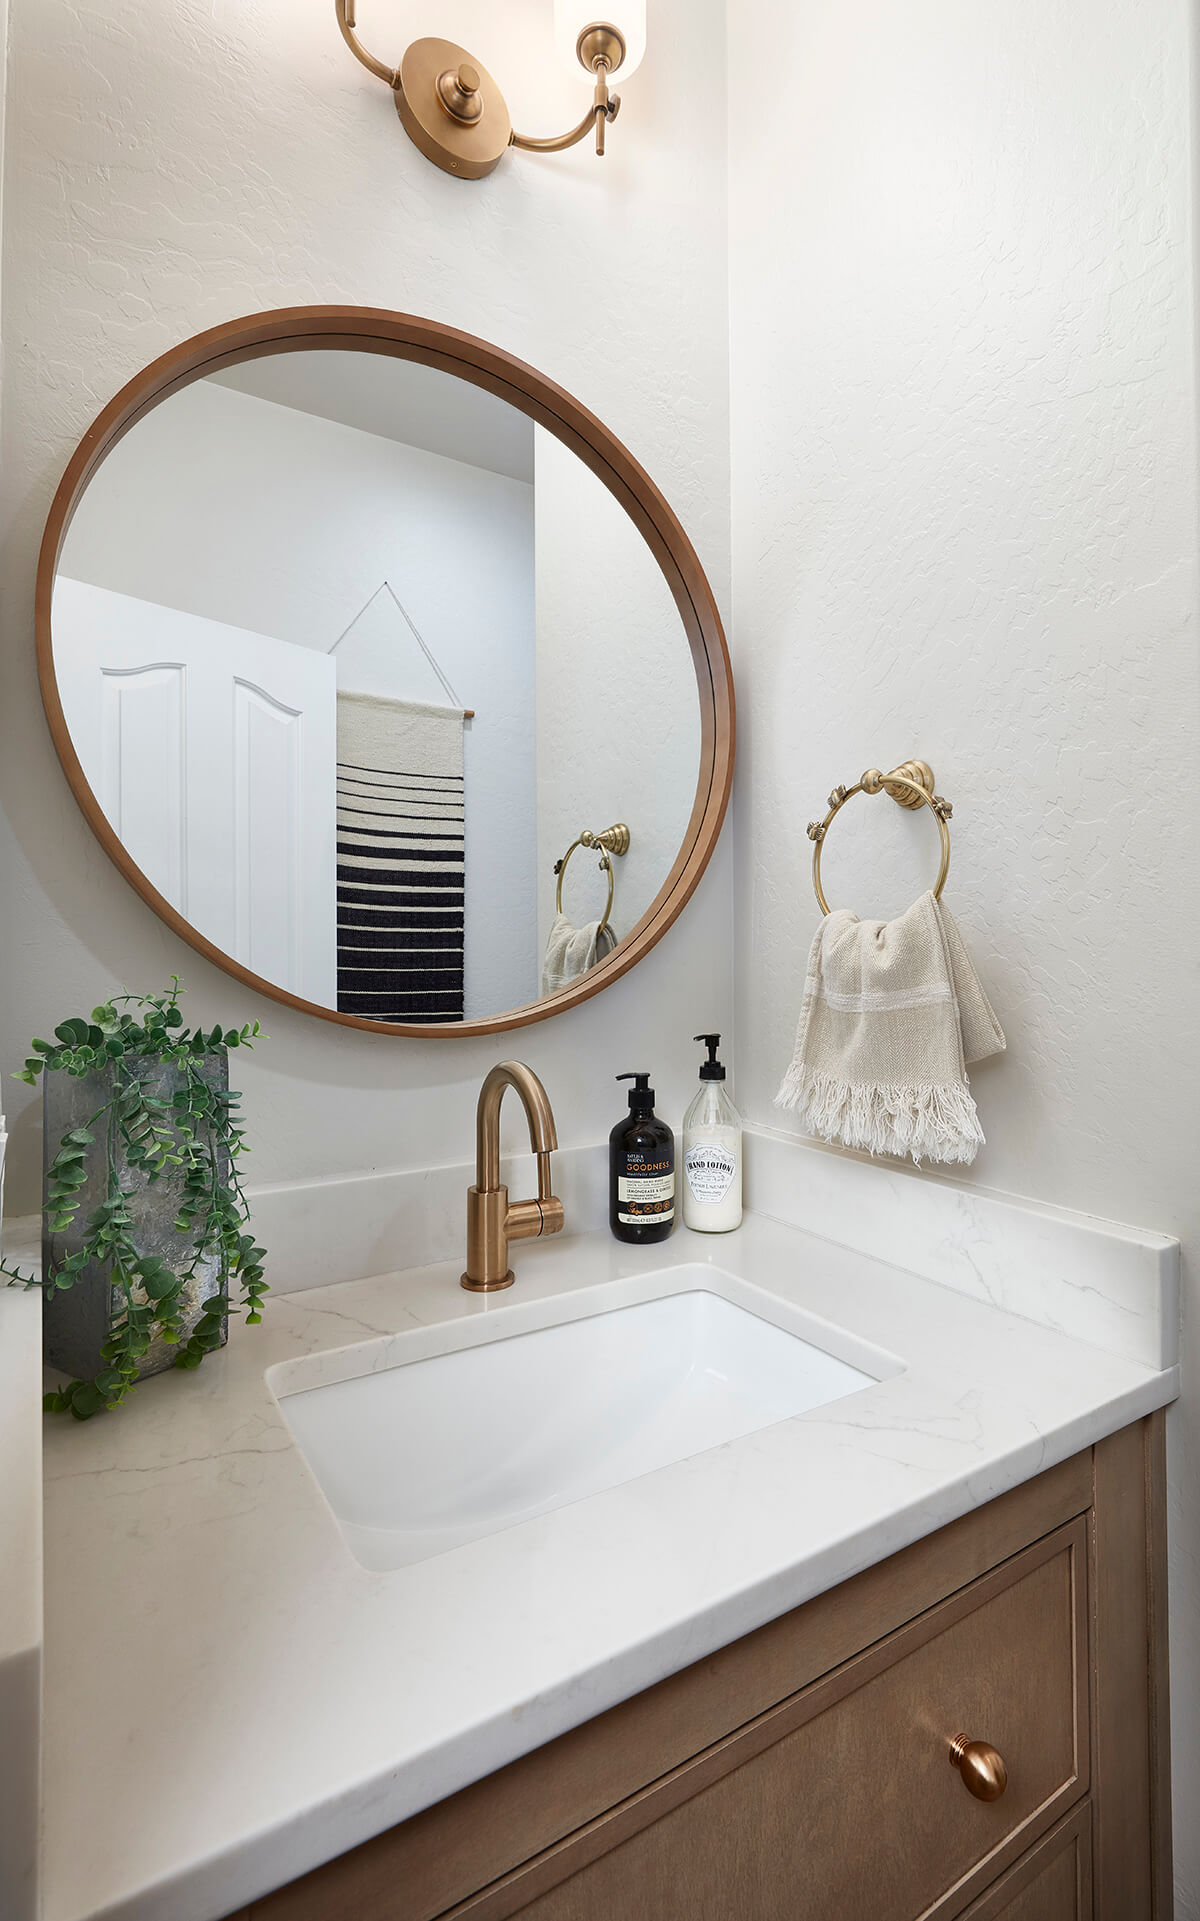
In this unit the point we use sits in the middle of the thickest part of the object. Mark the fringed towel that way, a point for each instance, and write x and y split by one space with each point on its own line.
400 819
892 1013
572 951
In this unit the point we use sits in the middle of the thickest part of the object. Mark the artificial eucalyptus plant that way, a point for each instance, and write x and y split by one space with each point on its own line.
194 1131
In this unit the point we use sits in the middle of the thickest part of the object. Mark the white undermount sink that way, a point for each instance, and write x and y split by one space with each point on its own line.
417 1456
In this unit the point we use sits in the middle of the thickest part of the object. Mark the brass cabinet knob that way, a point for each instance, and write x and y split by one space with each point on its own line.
981 1766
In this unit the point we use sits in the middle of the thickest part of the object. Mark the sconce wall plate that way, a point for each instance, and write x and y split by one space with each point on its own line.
452 109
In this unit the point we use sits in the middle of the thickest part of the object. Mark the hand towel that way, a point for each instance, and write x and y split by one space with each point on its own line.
571 951
892 1013
400 867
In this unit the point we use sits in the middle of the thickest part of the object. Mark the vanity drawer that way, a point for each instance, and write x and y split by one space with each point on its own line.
842 1801
1053 1882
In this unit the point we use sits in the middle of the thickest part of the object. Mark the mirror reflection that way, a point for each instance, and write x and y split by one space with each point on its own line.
354 656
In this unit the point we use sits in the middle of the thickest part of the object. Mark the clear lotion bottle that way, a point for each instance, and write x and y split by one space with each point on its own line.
712 1152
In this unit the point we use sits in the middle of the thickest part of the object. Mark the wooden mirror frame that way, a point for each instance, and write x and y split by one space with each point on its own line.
405 337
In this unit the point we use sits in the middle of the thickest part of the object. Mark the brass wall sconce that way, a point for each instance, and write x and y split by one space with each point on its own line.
452 109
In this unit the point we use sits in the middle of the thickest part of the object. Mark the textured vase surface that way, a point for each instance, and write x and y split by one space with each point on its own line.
76 1320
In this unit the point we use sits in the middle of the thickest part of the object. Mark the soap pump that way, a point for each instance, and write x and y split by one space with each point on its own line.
641 1164
712 1151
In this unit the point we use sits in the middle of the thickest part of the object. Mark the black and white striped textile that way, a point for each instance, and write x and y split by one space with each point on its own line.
400 819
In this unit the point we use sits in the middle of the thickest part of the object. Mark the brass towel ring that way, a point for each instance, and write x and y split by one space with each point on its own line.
910 785
612 840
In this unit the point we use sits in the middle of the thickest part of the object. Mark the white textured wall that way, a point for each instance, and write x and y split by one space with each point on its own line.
965 528
222 158
618 734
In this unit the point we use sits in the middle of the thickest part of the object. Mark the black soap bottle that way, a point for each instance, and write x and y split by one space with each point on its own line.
641 1168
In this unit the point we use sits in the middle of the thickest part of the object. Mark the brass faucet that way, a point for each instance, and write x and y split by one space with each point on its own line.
492 1219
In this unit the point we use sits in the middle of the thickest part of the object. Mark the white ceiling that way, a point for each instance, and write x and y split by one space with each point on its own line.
398 399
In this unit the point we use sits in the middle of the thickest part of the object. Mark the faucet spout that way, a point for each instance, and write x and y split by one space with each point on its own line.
538 1112
492 1220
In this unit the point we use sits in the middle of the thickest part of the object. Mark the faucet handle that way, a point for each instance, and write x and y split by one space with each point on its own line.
553 1213
525 1220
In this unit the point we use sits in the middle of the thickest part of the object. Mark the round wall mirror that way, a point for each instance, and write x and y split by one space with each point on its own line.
383 671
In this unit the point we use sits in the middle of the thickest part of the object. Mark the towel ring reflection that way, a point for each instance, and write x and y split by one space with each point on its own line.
910 785
610 841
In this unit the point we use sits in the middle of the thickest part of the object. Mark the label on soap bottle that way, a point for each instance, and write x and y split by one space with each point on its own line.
646 1191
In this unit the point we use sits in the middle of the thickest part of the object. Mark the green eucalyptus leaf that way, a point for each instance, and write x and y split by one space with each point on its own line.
85 1399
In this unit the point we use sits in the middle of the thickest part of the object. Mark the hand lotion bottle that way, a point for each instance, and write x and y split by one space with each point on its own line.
712 1152
641 1162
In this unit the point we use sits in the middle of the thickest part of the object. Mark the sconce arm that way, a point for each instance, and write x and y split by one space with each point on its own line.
347 23
432 140
604 107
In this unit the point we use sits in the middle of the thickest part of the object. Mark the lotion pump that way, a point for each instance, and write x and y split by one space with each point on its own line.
712 1152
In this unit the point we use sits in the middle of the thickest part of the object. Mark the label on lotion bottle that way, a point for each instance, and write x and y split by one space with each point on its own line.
711 1170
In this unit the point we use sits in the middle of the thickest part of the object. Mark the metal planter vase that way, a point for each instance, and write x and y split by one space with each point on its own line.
76 1321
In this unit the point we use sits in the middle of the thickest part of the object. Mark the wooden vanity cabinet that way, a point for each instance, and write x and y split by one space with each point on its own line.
805 1773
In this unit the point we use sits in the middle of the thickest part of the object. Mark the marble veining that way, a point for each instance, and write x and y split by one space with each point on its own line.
305 1702
1112 1285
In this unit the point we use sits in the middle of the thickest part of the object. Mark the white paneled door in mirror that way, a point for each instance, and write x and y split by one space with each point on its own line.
352 649
212 751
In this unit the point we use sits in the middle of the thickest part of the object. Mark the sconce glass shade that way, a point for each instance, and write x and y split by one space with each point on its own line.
571 17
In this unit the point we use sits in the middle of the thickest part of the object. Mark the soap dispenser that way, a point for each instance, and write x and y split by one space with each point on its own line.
712 1152
641 1168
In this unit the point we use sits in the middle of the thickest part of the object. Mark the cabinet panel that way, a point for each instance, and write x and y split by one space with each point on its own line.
1053 1882
844 1802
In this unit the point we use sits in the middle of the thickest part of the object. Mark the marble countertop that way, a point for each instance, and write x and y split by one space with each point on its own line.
231 1698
